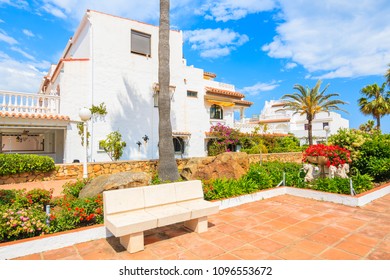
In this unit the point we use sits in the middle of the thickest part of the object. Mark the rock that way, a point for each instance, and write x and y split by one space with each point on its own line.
227 165
115 181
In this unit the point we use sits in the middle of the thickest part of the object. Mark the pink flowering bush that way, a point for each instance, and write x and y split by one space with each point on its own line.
224 139
22 223
336 155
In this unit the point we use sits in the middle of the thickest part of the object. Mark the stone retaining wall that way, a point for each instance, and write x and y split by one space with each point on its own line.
75 170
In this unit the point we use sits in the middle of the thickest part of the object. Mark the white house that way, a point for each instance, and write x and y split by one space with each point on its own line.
113 60
274 120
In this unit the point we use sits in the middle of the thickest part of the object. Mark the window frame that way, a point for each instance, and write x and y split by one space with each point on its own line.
192 94
182 144
213 112
132 43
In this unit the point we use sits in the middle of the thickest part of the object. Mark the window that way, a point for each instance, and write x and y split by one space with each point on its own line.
216 112
306 126
178 144
325 124
192 93
140 43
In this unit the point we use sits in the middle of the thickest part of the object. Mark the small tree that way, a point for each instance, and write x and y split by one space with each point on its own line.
113 145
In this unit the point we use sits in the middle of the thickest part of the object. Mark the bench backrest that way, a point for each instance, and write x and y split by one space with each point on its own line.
123 200
116 201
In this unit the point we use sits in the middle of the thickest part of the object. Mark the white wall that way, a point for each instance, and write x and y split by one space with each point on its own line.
124 82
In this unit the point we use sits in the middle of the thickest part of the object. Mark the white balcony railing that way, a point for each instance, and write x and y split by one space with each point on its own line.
29 103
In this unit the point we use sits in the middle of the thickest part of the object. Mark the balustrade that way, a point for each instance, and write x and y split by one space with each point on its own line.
18 102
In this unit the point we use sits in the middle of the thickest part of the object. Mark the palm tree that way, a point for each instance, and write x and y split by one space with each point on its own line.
387 76
310 102
167 167
376 102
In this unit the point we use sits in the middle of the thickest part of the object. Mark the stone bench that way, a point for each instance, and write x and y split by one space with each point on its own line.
129 212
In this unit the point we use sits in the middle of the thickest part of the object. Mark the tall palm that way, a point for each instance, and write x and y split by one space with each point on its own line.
167 167
387 76
376 102
310 102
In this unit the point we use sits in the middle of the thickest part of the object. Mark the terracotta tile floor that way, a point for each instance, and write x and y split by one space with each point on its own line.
284 227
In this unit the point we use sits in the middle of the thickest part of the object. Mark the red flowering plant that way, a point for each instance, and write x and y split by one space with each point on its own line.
336 155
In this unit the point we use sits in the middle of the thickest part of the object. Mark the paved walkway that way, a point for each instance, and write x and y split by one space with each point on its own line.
56 185
281 228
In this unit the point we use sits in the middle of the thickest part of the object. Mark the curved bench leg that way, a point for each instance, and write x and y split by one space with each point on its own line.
198 225
133 242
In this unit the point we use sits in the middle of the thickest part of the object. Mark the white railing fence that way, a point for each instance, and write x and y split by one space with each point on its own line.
29 103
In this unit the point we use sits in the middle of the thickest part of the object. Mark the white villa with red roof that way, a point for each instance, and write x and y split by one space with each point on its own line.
113 60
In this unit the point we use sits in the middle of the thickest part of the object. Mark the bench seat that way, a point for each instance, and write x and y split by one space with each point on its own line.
199 208
169 214
130 222
129 212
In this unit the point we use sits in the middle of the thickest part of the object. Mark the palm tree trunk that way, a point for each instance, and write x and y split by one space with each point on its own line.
378 122
167 166
310 131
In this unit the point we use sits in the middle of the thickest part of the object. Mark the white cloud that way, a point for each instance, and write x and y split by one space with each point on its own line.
26 55
20 75
21 4
291 65
213 43
74 9
334 38
260 87
54 11
226 10
28 33
8 39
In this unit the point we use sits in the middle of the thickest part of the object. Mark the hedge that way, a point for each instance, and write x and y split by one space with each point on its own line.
20 163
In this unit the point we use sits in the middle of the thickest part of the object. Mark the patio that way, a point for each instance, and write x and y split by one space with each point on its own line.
280 228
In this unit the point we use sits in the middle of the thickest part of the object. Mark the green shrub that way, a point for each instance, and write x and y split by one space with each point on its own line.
286 144
259 177
7 197
350 139
39 196
360 183
274 171
225 188
20 163
256 149
335 185
269 143
74 188
374 157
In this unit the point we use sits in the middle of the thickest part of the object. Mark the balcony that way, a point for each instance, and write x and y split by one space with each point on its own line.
18 102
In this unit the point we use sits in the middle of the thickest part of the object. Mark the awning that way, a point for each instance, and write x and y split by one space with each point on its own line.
183 134
221 103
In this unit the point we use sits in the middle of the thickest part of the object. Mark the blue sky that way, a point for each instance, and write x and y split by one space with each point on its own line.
263 47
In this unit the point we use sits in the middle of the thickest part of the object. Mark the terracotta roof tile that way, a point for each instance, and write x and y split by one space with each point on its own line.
209 74
33 116
224 92
243 102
